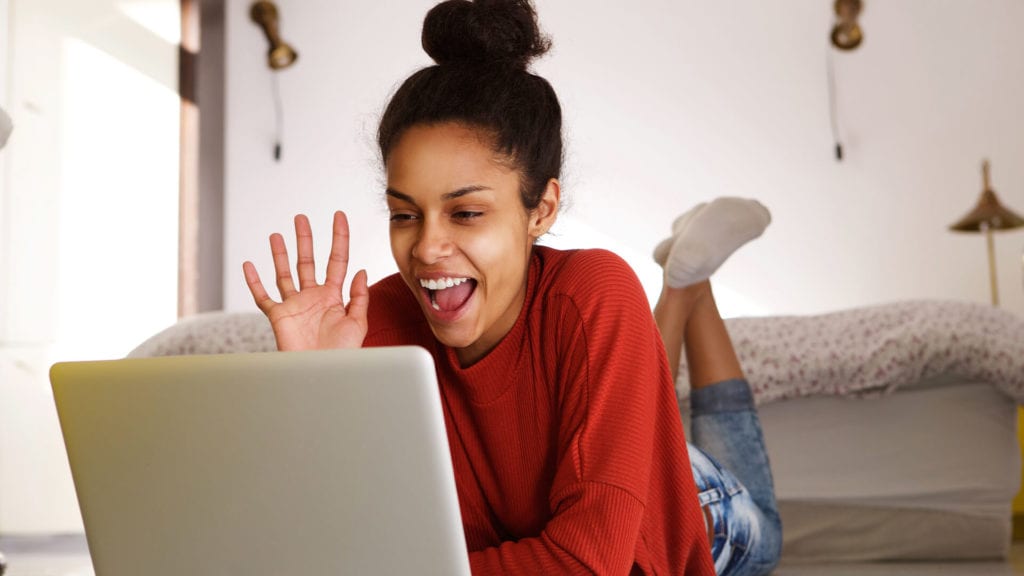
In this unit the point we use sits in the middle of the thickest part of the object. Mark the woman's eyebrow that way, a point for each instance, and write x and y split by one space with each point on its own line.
396 194
463 191
448 196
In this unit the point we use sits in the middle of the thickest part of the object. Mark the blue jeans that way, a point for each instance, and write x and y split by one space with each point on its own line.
734 480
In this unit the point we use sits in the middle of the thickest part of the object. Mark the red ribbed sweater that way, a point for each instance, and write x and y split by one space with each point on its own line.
566 440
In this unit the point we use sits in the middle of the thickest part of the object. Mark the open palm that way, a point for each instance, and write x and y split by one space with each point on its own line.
314 316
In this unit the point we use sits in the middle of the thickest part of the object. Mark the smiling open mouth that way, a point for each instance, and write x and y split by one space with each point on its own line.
448 294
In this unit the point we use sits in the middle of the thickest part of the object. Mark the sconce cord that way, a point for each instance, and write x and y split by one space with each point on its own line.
278 115
833 107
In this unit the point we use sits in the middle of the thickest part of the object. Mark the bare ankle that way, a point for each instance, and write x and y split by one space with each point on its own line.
711 357
686 299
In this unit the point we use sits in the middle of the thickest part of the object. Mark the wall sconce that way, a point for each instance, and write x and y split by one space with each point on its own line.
846 33
281 55
6 127
987 216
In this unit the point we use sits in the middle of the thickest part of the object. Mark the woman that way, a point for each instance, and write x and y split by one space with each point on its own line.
566 441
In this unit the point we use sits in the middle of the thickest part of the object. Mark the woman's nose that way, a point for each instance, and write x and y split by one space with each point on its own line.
433 242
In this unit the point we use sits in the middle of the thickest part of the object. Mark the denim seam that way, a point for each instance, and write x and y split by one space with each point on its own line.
727 396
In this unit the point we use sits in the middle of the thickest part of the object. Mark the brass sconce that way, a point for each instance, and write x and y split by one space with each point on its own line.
6 127
846 34
987 216
281 55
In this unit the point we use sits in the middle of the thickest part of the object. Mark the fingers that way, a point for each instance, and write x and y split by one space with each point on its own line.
304 264
337 265
359 297
259 293
282 268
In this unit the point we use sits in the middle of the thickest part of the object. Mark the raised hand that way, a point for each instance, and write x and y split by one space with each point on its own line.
314 317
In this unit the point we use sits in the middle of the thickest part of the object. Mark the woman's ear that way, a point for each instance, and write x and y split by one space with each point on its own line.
543 217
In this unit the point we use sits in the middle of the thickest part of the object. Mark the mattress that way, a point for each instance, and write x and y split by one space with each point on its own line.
928 472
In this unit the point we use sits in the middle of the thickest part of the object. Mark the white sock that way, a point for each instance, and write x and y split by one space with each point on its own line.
662 249
711 236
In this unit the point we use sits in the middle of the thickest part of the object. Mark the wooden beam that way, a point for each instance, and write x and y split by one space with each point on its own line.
188 174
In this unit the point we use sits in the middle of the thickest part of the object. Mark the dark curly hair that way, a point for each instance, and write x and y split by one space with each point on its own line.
483 49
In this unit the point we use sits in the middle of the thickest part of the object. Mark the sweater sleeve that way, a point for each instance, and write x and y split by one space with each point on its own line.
611 372
595 532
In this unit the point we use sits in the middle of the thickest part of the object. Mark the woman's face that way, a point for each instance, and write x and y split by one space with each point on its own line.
460 234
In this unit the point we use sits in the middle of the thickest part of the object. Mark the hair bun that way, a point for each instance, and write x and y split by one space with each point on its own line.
483 31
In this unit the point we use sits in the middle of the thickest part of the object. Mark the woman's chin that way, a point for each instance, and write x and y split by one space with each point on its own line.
452 337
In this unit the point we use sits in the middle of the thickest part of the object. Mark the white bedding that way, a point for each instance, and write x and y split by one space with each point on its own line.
862 351
878 349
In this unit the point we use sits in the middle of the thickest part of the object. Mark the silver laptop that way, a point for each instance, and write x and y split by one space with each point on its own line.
331 462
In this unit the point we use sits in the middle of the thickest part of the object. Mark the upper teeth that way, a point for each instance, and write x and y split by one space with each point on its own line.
441 283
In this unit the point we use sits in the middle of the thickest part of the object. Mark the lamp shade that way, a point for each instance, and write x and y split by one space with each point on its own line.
989 213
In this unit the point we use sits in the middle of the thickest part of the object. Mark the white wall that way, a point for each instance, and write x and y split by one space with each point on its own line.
668 104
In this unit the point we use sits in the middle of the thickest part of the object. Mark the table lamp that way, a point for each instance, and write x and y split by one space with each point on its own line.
988 216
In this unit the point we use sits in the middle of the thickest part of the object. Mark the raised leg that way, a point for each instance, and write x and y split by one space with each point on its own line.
730 462
729 450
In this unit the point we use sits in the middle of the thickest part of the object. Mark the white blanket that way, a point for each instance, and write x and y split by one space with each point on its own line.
860 351
878 349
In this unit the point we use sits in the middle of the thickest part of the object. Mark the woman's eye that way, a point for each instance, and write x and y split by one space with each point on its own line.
466 215
401 217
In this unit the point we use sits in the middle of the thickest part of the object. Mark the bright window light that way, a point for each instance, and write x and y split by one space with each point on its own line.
118 208
161 17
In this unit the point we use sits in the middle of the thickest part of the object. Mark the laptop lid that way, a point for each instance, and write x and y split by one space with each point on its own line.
326 462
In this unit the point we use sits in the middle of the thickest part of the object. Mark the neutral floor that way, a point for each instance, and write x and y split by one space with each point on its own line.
69 556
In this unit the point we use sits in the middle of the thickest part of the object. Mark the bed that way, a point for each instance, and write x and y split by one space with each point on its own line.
892 430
